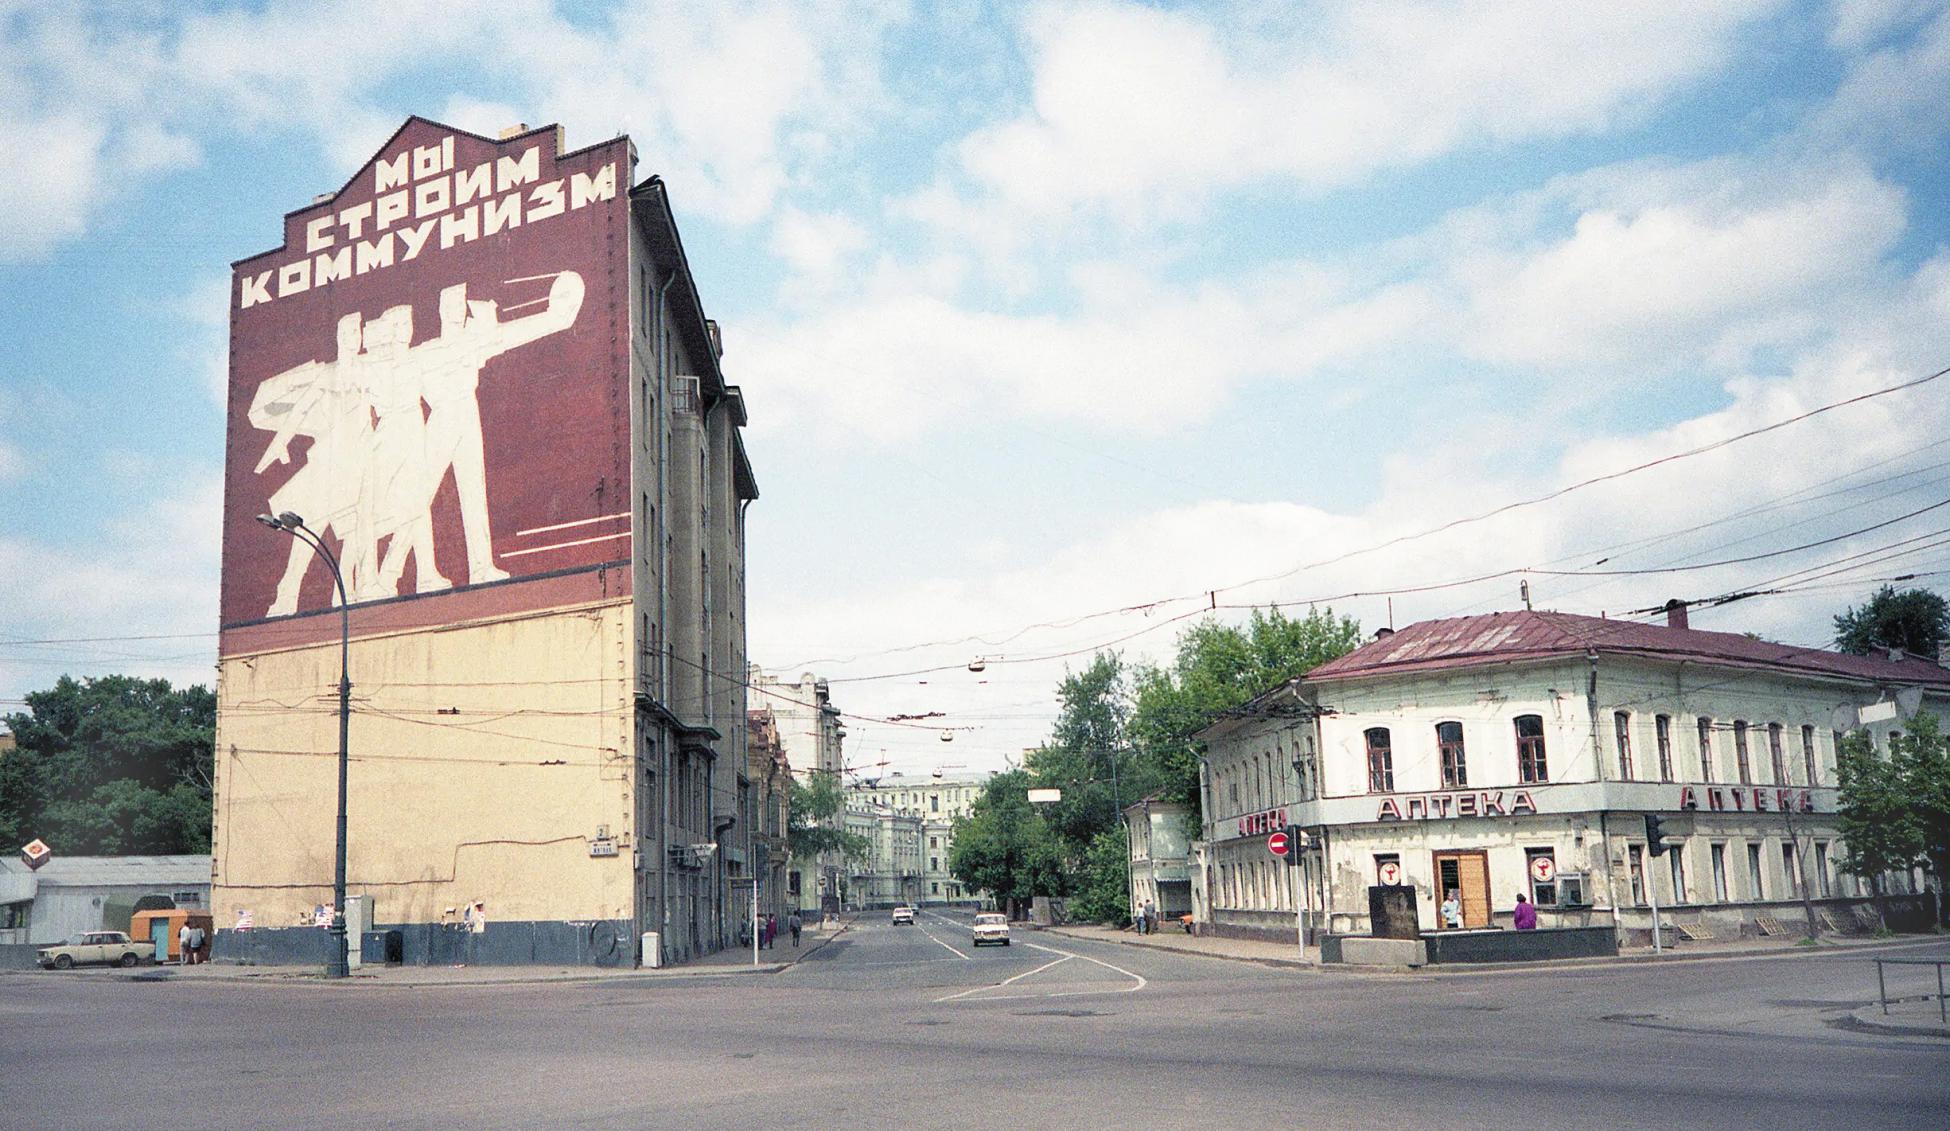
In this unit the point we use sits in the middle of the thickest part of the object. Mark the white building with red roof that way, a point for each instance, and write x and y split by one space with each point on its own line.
1520 753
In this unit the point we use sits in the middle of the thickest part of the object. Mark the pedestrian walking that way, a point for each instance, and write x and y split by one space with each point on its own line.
197 939
771 930
1452 912
1137 918
795 924
1150 918
1525 916
183 946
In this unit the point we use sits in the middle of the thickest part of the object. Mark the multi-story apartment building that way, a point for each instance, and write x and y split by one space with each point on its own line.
1520 753
937 801
481 376
890 872
811 733
768 778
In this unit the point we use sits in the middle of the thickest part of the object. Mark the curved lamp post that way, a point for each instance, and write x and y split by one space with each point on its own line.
289 523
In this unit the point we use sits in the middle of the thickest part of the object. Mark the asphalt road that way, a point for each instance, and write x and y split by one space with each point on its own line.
911 1026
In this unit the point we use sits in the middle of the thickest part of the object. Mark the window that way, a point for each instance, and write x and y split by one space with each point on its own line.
1777 754
1808 756
1720 872
1790 867
187 898
1449 740
1543 893
1531 766
1638 874
1821 869
935 888
934 842
1621 722
1743 766
1381 761
1676 860
934 863
1755 888
1663 726
1705 749
934 803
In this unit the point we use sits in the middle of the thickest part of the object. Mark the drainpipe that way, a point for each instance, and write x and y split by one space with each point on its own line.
660 345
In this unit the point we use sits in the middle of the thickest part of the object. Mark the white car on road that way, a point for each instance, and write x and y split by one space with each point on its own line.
904 914
991 927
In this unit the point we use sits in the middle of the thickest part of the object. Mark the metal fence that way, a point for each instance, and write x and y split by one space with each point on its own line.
1882 982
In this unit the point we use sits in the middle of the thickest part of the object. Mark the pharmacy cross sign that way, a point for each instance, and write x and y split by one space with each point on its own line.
1277 844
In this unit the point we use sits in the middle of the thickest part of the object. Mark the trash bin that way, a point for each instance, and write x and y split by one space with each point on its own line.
395 948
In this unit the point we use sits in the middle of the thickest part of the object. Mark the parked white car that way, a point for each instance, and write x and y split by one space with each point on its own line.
112 947
991 927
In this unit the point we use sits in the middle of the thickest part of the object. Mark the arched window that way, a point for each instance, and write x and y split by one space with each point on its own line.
1449 741
1777 754
1531 763
1662 725
1622 728
1743 765
1381 761
1705 749
1808 755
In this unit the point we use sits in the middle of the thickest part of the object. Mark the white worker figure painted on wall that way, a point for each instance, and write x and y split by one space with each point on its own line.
389 420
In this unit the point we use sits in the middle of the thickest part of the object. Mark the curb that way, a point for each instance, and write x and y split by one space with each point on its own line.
1287 963
1871 1017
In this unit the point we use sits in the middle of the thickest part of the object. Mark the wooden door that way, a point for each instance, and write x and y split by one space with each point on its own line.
1468 873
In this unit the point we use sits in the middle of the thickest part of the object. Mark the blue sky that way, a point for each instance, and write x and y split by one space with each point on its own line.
1049 309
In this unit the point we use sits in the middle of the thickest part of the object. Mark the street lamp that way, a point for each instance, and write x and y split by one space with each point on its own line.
295 526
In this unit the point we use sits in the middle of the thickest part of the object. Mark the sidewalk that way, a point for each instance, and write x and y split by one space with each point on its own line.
729 963
1289 954
1910 1017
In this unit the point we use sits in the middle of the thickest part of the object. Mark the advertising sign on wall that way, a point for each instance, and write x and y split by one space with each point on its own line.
431 373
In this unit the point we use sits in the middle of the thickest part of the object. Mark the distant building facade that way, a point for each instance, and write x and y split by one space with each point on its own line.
1519 753
937 802
768 780
1160 838
810 731
481 373
890 872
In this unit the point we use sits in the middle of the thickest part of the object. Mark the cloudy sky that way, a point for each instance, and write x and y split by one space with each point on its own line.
1061 321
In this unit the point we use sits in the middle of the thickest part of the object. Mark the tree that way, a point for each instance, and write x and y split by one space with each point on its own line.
1915 620
1879 825
1102 892
1088 757
1922 758
1004 847
111 765
815 821
1219 667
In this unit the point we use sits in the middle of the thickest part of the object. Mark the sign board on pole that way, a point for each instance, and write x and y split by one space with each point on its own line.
1043 796
1277 844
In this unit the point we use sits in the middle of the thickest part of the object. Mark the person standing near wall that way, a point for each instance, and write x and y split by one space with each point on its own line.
1525 916
795 924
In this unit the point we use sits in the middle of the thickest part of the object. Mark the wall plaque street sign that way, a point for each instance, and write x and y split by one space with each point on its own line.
1277 844
1391 872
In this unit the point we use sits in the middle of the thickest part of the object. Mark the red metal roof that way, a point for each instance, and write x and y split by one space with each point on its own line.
1463 642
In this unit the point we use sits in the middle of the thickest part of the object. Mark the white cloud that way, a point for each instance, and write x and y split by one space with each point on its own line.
1143 110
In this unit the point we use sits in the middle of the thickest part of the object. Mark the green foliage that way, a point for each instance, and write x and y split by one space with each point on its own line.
1922 758
1220 667
1103 893
1879 825
815 821
112 765
1004 847
1915 620
1088 757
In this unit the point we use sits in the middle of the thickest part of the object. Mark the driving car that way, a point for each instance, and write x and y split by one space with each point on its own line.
991 927
112 947
904 914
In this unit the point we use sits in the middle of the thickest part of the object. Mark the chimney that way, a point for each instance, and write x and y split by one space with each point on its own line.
1676 613
1383 633
515 130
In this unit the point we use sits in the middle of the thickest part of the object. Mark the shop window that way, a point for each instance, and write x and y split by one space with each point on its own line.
1756 889
1621 725
1705 749
1449 742
1381 761
1720 873
1742 764
1531 764
1808 759
1662 729
1790 867
1821 869
1676 860
1777 754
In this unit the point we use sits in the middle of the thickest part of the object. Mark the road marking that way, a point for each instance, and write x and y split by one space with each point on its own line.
1006 981
1138 978
930 934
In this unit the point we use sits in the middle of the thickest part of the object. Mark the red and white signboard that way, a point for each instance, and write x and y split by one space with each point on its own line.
432 372
1391 872
1542 868
36 853
1277 844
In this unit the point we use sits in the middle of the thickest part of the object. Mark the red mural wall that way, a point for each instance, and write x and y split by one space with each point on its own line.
432 374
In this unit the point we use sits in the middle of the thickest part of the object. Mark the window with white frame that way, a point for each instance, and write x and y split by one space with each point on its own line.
1662 732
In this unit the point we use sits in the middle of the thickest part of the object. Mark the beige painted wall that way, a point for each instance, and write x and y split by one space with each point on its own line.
483 758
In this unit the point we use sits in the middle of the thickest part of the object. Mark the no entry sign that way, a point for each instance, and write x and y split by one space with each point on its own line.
1277 844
